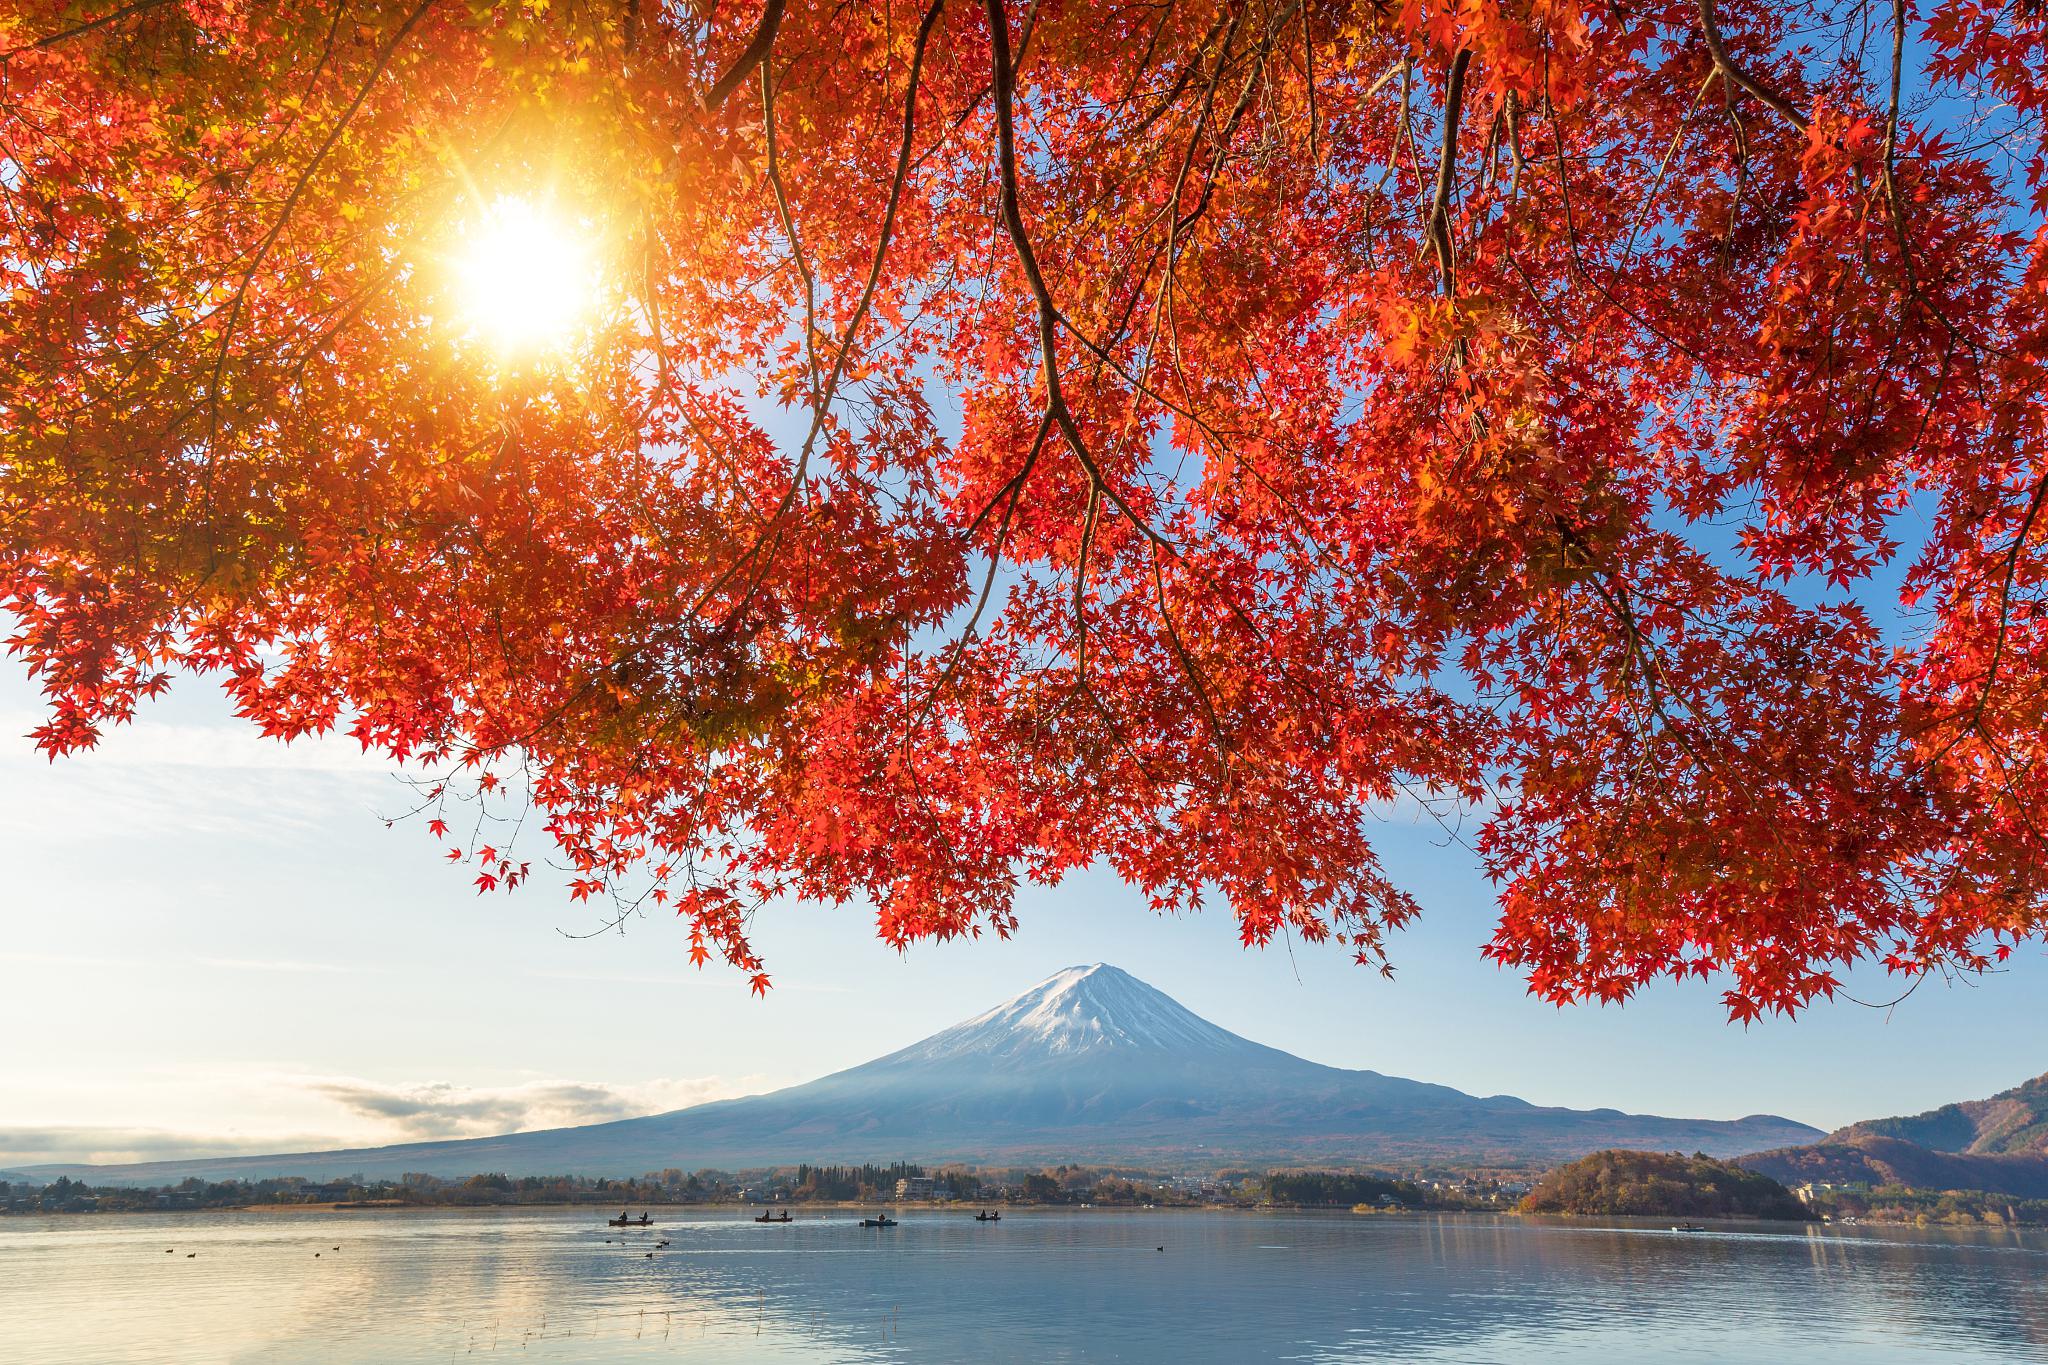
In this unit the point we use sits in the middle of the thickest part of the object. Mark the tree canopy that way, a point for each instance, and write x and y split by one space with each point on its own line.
1662 1185
1007 435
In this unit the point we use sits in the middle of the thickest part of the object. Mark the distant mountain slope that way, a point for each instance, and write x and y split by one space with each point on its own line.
2010 1122
1998 1145
1877 1161
1090 1065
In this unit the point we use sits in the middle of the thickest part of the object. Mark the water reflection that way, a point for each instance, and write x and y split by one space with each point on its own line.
1037 1286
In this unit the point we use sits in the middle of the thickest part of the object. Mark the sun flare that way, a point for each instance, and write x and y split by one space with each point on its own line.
526 279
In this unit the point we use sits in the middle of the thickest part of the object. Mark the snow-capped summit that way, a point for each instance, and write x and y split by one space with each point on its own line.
1078 1011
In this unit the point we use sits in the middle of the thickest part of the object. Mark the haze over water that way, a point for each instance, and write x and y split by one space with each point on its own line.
1039 1286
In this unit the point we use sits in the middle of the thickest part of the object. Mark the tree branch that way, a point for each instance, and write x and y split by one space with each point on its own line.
1730 68
754 54
1439 229
112 17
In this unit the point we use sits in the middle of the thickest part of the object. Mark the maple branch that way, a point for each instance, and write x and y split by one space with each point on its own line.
348 315
755 52
1010 485
1228 133
1893 199
305 178
1404 127
1144 62
2012 564
1024 39
796 246
896 184
1188 666
1308 85
1615 599
299 186
1733 70
1579 267
1048 322
1014 490
1439 226
1027 260
1628 248
822 397
1187 73
1081 581
1178 222
49 41
1517 161
653 302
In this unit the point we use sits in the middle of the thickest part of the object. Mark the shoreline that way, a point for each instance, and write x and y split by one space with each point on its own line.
796 1211
841 1207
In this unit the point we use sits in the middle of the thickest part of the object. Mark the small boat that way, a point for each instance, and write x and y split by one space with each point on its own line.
988 1216
622 1221
885 1221
1687 1227
771 1218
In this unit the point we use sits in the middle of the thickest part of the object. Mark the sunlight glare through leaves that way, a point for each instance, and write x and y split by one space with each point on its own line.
526 278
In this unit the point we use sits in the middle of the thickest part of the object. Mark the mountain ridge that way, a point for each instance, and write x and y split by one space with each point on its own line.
1997 1145
2012 1122
1091 1064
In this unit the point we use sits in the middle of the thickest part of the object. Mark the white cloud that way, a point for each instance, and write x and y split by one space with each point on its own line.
38 1145
367 1113
81 797
440 1109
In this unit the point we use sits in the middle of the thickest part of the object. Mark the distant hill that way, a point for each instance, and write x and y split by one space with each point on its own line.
1879 1161
2011 1122
1998 1145
1091 1065
1662 1185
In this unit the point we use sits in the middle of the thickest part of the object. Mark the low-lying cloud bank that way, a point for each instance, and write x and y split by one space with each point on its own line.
438 1109
109 1146
377 1113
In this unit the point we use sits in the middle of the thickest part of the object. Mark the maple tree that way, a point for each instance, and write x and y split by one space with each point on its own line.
1009 436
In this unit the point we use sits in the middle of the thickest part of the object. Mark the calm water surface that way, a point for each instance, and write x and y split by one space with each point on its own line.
1038 1286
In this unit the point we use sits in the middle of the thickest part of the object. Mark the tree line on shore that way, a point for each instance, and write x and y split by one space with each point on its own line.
1610 1183
1949 1208
1066 1184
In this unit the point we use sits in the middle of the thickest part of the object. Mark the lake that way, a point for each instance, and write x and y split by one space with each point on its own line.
1038 1286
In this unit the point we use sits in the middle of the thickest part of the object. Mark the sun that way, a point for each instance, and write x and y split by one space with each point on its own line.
526 279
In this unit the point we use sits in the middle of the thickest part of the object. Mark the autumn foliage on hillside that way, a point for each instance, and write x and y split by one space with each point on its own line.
1661 1185
1005 437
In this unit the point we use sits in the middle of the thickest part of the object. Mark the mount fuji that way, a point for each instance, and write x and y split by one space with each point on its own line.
1089 1065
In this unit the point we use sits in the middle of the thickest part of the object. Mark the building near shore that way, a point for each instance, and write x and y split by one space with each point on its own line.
923 1187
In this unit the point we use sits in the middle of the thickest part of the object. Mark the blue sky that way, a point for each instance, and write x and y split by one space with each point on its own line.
212 942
